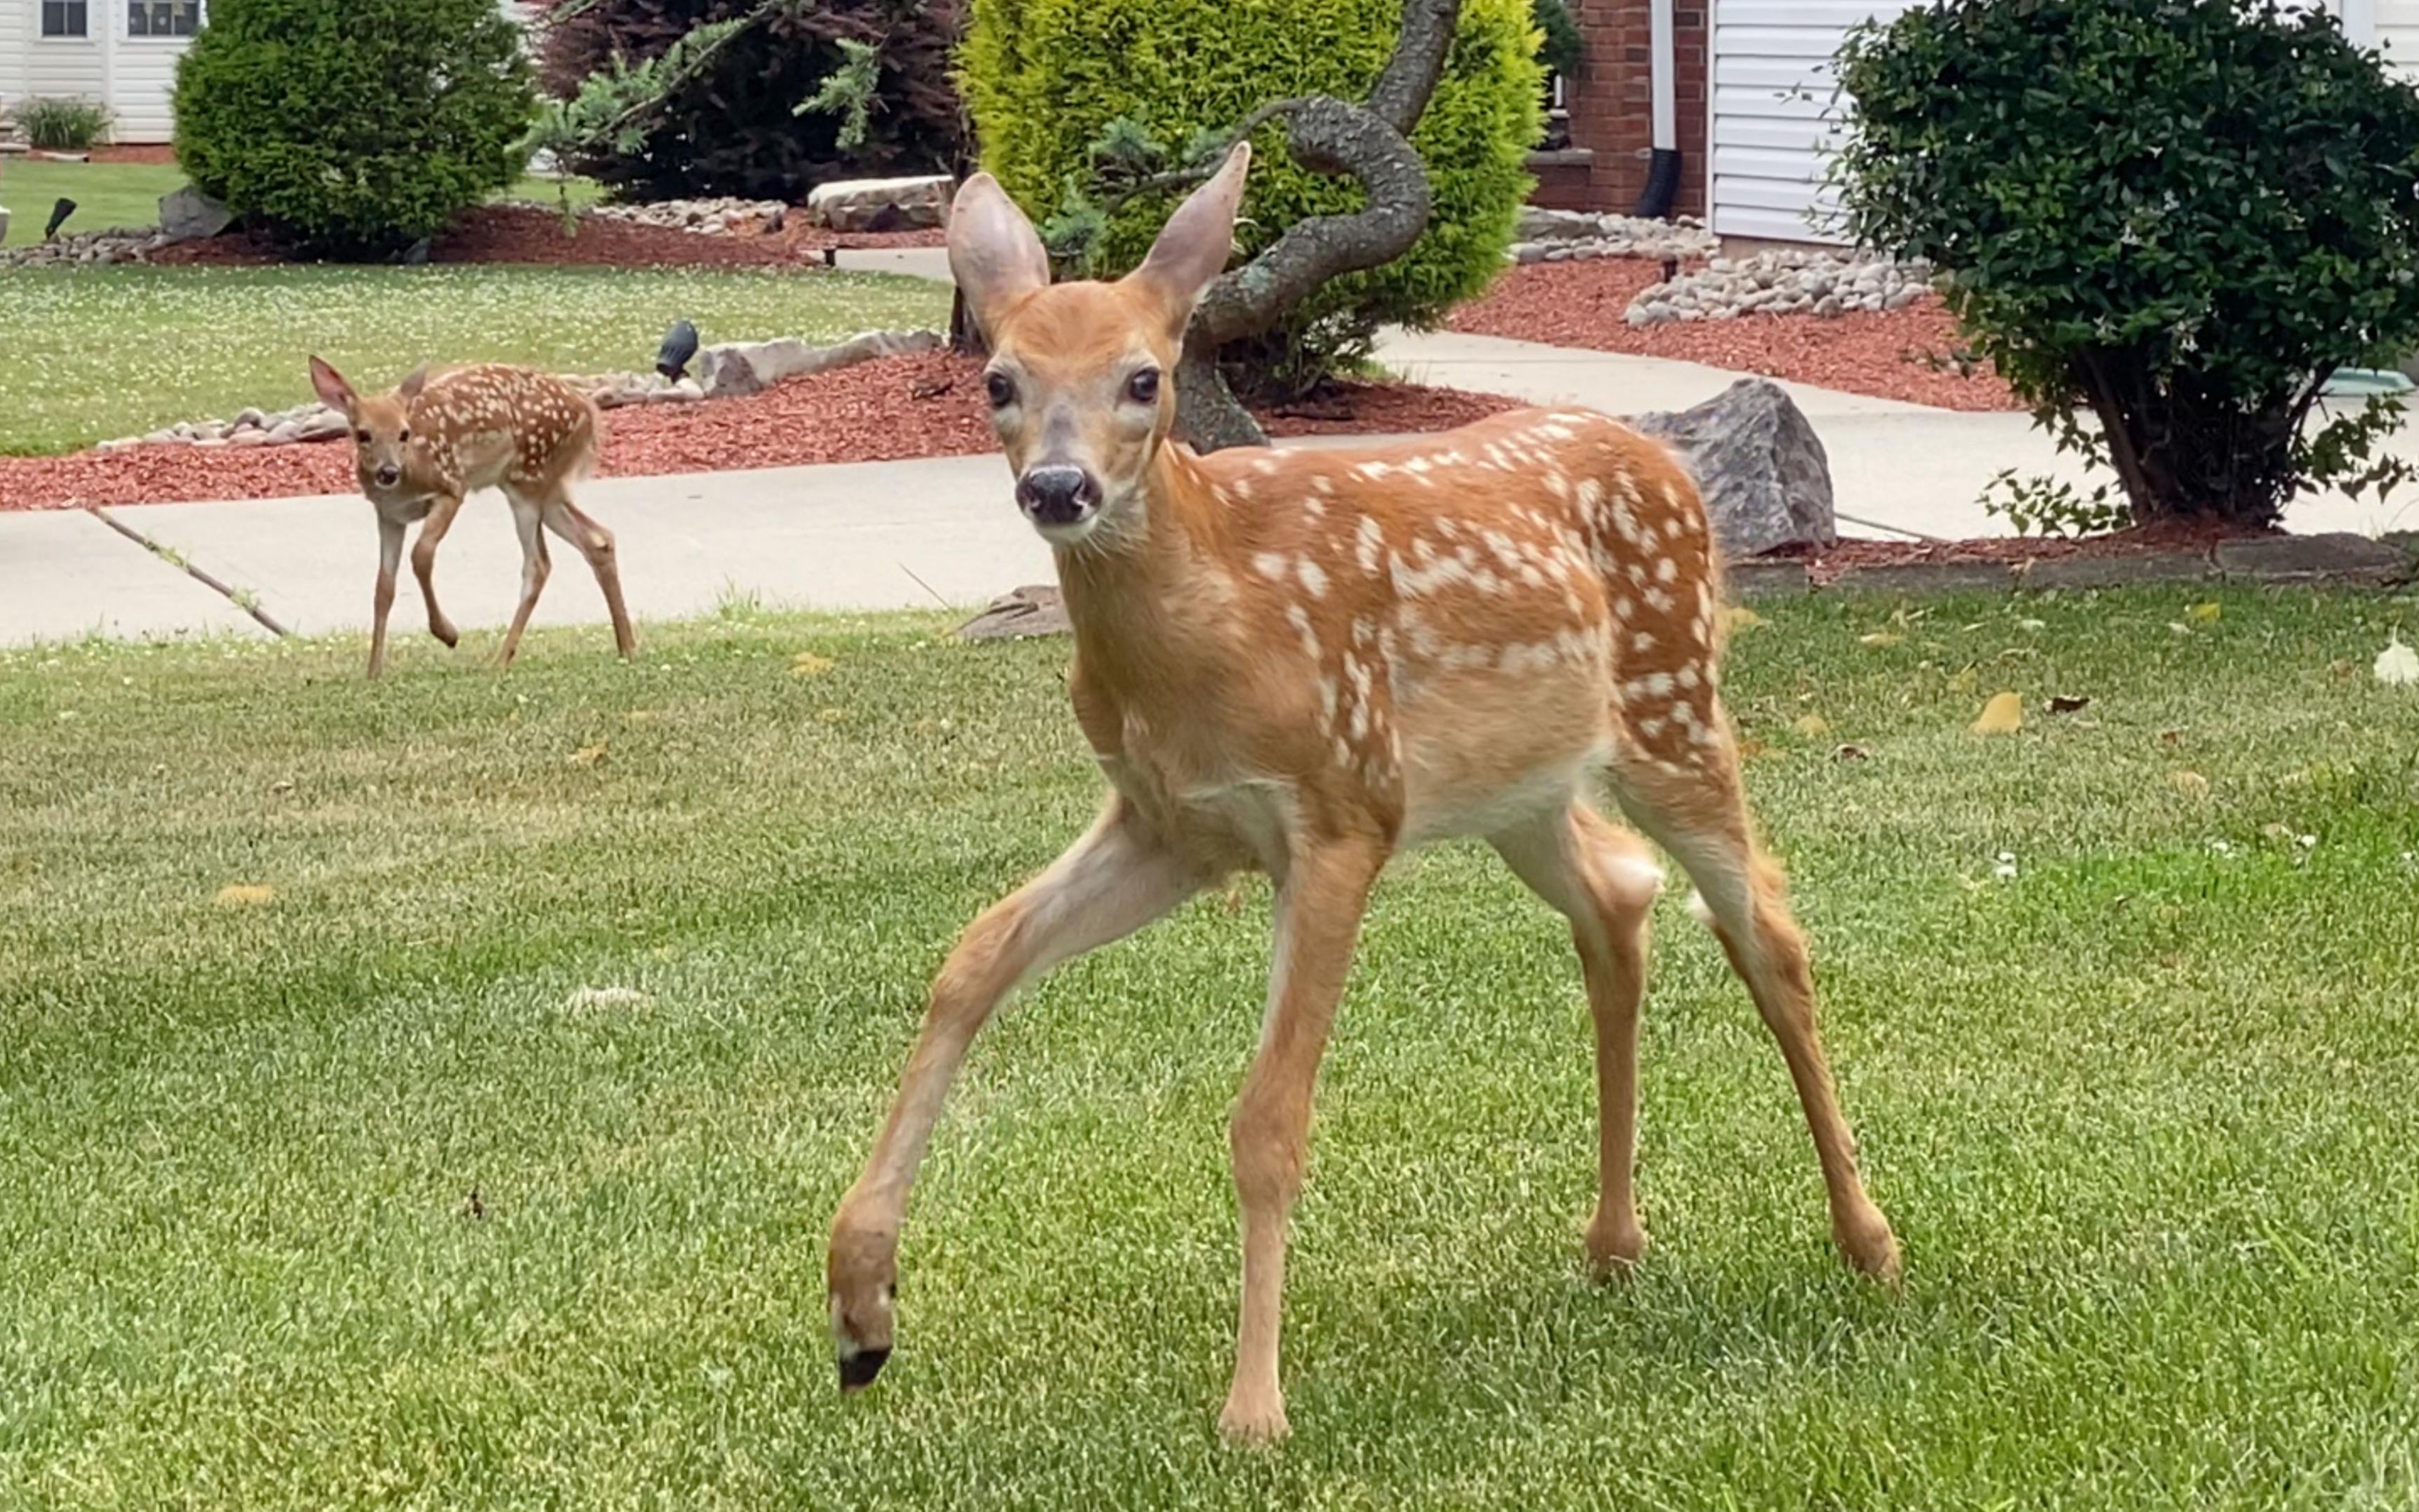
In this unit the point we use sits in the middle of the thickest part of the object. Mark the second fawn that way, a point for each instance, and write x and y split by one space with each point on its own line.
1304 662
422 448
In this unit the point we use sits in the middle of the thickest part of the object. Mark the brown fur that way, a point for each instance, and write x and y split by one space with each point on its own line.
1302 662
421 449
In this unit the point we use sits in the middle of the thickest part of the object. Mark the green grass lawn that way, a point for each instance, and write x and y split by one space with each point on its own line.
109 195
97 353
488 1164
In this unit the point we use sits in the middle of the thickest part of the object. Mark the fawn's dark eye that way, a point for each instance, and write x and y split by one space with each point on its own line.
1002 392
1143 387
405 438
362 437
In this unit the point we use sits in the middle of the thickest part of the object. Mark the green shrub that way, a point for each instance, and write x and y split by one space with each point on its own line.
2181 216
353 126
1045 80
63 123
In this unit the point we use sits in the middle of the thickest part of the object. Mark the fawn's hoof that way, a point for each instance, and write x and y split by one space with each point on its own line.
1867 1243
856 1371
1251 1421
1613 1250
446 633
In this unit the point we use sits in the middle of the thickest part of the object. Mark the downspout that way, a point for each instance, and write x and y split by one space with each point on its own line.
1663 164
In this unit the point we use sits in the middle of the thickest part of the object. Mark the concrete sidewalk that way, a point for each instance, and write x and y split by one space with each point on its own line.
906 534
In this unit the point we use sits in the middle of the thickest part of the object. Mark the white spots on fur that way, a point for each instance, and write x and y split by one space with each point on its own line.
1659 601
1243 489
1687 678
1299 619
1372 471
1321 486
1265 465
1273 565
1314 580
1370 540
1641 641
1666 570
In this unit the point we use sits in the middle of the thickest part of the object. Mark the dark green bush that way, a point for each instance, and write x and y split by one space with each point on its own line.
353 127
2179 215
878 71
1045 80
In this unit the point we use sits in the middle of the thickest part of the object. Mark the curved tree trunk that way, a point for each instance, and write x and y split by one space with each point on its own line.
1369 143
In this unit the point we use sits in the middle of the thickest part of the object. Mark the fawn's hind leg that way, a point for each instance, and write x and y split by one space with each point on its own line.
595 543
1598 876
1687 795
535 569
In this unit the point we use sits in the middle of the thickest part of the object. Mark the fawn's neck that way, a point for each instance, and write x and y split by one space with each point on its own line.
1157 607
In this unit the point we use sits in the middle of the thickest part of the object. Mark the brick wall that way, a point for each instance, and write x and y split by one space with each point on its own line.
1611 103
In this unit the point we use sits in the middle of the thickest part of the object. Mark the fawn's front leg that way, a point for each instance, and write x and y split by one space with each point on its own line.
382 597
423 564
1320 905
1115 880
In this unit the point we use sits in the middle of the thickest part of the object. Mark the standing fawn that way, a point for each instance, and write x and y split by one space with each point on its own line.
426 446
1304 662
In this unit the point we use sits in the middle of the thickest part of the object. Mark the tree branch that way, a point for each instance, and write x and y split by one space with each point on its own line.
1369 143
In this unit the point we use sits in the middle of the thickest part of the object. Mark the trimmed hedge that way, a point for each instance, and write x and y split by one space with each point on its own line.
1044 78
353 126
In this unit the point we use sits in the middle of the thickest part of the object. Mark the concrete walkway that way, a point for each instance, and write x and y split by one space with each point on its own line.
901 534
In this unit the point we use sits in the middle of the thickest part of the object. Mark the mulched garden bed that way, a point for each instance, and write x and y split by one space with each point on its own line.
1901 355
1826 563
928 405
531 234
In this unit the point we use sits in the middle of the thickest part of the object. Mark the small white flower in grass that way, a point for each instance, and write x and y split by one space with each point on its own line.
2222 847
2006 869
2397 665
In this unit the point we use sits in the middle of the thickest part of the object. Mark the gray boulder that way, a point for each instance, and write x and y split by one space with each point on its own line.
190 215
1026 611
880 204
1762 469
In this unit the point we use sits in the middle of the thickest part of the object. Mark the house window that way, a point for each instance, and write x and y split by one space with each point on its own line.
65 18
163 18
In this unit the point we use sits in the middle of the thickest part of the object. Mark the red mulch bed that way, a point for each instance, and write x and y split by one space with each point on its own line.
1901 355
900 406
154 153
527 234
1825 563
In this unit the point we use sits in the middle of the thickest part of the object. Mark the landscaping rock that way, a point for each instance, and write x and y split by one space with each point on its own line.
1565 236
190 215
2339 558
86 249
1013 616
1751 581
1784 281
704 217
880 204
1760 467
752 368
1918 580
4 222
2116 572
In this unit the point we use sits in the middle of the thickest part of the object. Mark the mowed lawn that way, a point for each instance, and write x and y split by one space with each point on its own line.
486 1161
100 353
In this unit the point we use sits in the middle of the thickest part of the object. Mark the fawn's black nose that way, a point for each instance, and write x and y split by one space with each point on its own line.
856 1371
389 477
1056 495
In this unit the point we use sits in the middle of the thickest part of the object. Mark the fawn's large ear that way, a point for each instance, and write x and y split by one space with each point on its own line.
1193 246
413 382
994 253
333 391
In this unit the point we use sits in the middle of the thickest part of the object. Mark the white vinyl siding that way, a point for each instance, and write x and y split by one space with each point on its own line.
64 66
16 27
2394 24
145 75
1773 102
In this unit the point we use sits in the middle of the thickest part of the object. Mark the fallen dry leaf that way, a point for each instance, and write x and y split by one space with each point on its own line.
588 755
2191 784
1851 754
2397 665
2171 737
245 895
1880 638
1813 726
806 664
2068 702
1739 617
2003 715
2206 613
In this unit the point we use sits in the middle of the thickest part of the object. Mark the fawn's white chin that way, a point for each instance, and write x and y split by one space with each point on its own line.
1072 533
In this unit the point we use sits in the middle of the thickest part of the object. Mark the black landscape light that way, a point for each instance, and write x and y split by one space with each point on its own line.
59 214
680 344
